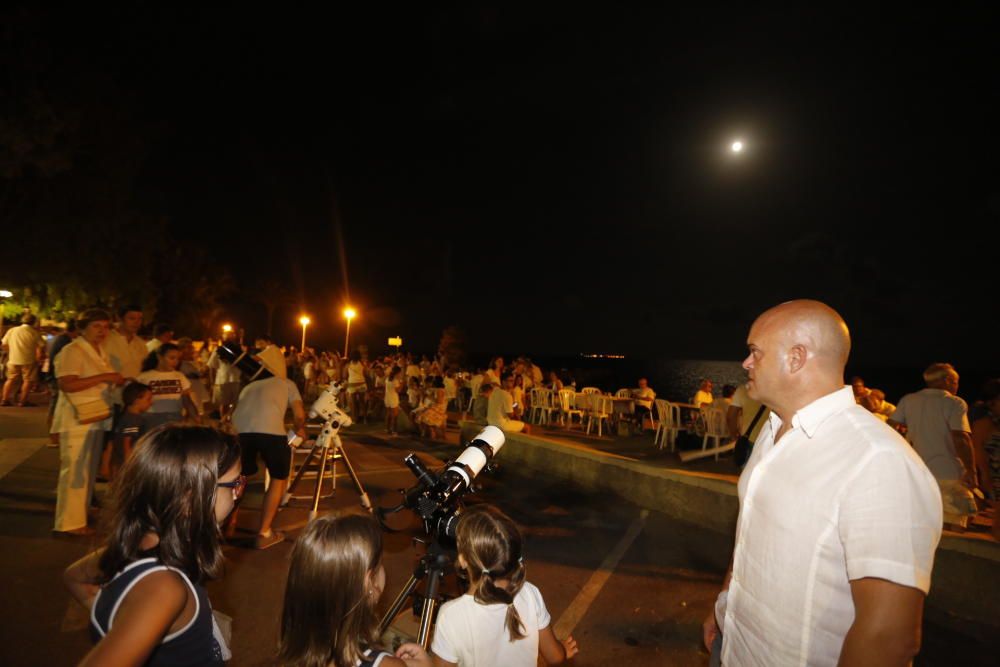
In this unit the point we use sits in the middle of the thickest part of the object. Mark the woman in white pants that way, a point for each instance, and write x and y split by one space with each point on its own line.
85 380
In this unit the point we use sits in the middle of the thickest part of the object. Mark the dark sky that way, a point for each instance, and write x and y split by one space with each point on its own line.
556 180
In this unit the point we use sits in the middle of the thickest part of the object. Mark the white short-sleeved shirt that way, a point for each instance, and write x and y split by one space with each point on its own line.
167 388
644 396
930 416
225 373
475 635
702 397
501 404
126 356
840 497
262 406
81 359
24 342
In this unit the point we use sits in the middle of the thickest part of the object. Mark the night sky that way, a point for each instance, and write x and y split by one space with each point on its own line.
554 180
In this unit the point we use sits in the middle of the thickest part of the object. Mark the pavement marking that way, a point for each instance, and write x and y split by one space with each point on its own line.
581 603
15 451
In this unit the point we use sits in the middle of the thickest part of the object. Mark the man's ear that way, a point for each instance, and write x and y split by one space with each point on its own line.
797 355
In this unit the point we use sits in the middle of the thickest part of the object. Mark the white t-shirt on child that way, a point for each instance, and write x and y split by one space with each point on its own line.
472 634
167 388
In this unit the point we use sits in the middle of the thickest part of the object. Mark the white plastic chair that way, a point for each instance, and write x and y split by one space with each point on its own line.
670 423
623 393
716 430
568 408
590 390
601 409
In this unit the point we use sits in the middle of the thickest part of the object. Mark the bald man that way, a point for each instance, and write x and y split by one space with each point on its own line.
839 518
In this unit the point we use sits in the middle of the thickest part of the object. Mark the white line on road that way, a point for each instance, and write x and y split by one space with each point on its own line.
581 603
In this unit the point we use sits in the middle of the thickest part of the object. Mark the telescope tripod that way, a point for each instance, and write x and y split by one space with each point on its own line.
329 448
433 565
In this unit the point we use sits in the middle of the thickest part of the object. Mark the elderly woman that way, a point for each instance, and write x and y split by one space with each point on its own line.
82 415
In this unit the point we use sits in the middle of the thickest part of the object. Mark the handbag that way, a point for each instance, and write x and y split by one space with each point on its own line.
741 452
89 410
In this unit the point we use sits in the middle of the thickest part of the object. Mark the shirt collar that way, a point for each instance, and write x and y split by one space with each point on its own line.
813 415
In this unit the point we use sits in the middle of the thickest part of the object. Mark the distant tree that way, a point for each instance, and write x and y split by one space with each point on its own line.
272 294
452 347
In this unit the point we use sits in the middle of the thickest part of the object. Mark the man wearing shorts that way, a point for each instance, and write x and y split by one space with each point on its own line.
22 344
259 419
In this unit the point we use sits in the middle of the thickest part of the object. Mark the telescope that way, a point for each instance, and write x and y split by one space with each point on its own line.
435 497
233 354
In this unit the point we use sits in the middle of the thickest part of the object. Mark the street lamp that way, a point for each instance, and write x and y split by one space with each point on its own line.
737 146
226 328
304 321
350 314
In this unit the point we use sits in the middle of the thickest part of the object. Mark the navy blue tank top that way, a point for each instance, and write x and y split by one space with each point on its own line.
195 644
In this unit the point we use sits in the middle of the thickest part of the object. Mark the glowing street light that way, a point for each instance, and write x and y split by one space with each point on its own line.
737 146
226 328
350 314
304 321
6 293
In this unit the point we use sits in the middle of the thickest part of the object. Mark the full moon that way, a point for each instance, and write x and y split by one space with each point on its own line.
736 146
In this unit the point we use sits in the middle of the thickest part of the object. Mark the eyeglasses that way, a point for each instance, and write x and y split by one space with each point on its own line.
238 486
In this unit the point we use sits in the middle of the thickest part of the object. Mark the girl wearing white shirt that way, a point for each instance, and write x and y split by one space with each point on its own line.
502 619
392 387
171 389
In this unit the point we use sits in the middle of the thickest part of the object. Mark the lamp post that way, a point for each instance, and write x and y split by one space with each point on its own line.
304 321
350 314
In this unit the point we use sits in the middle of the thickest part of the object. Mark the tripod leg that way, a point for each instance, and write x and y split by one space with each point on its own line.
398 603
324 457
365 502
430 605
298 475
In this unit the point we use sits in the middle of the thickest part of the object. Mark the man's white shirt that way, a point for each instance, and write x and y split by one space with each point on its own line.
840 497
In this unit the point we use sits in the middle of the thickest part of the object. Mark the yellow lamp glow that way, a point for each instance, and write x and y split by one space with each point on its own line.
226 328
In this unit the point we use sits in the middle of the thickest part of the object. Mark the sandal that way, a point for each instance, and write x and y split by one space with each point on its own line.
268 541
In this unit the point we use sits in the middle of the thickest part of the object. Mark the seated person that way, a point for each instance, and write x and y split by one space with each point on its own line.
644 397
500 409
875 403
704 394
723 402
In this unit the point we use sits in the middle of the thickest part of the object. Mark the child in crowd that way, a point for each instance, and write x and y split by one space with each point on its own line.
146 587
171 389
414 395
129 425
334 584
502 619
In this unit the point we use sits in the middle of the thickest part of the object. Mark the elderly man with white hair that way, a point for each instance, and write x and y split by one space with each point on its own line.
937 426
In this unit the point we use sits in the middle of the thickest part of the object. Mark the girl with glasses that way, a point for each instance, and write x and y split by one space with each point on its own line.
145 587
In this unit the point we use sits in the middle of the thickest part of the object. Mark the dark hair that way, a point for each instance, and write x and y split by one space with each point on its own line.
490 543
70 325
396 370
168 487
132 391
161 329
264 337
355 356
437 382
485 387
85 318
329 614
129 308
28 318
152 360
991 389
728 391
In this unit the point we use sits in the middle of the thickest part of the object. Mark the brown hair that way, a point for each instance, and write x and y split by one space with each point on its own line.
329 613
490 543
168 487
84 319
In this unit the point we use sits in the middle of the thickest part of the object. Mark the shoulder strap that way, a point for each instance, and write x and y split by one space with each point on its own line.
753 424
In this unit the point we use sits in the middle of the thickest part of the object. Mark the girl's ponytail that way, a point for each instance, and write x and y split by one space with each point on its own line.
490 544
